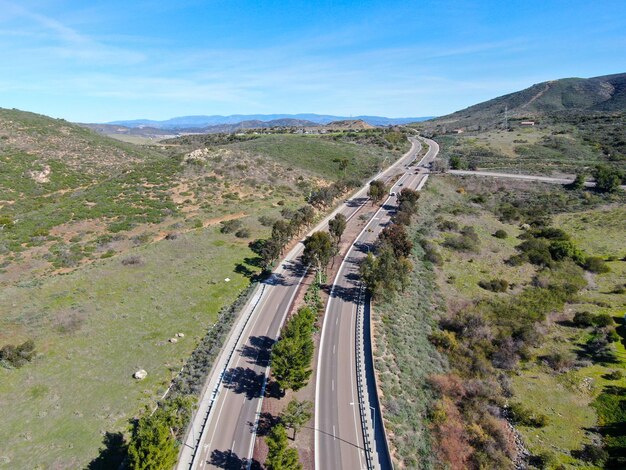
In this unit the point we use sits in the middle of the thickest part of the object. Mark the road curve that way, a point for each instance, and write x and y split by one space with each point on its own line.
223 429
339 437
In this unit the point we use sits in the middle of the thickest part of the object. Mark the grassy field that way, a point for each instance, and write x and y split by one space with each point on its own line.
314 153
564 398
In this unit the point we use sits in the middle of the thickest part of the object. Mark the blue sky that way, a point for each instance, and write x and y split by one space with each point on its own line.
103 60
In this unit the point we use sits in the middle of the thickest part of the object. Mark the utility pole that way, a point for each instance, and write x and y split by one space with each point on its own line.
506 116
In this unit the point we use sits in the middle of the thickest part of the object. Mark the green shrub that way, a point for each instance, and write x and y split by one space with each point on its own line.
17 356
583 319
243 233
603 319
594 454
494 285
595 264
525 417
501 234
230 226
615 375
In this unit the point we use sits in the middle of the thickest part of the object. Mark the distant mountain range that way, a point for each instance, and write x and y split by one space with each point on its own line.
582 95
197 122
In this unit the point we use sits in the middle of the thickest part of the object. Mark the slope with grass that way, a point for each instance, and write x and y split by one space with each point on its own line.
102 264
560 379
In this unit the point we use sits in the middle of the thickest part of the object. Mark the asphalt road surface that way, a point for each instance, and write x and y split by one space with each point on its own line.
339 437
223 430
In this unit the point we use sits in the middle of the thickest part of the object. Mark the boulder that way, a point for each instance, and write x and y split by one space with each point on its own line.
173 340
140 374
180 335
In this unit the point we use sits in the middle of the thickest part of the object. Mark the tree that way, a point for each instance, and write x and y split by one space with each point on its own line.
281 232
152 445
337 226
268 250
579 181
455 162
318 249
297 414
293 352
280 456
377 191
607 179
395 236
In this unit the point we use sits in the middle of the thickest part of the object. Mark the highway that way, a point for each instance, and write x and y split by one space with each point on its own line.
339 440
223 430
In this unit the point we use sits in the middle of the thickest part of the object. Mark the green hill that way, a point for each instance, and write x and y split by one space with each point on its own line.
599 94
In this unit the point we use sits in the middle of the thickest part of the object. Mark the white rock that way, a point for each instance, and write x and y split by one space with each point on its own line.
180 335
140 374
173 340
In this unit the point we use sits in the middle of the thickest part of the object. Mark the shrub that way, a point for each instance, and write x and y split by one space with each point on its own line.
494 285
17 356
448 226
595 264
243 233
603 319
563 249
560 361
467 241
595 454
500 234
266 221
583 319
132 260
230 226
525 417
615 375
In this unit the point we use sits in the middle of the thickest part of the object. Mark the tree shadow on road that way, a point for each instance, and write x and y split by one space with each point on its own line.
266 422
258 350
244 381
229 460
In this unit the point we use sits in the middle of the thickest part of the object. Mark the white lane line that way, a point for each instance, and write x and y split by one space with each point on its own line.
334 349
267 373
333 384
414 145
225 393
337 320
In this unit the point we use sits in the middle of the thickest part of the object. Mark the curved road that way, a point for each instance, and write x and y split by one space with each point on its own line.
223 429
339 440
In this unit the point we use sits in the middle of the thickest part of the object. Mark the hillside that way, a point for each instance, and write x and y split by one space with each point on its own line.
599 94
108 250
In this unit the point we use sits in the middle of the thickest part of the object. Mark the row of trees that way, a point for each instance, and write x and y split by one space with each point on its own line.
387 270
282 231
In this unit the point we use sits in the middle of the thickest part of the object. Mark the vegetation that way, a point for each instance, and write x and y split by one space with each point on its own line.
293 352
17 356
296 415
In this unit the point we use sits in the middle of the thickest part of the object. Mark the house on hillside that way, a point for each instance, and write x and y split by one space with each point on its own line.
527 123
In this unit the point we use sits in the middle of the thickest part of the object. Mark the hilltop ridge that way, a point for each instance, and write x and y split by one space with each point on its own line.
587 95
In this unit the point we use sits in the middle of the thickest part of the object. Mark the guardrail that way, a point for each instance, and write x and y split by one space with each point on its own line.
361 385
217 387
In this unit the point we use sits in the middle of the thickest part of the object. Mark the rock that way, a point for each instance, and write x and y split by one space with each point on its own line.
227 279
180 335
173 340
140 374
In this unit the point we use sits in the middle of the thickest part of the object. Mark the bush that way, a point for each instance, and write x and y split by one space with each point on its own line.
525 417
132 260
560 361
501 234
17 356
583 319
595 454
243 233
603 319
467 241
595 264
448 226
615 375
230 226
494 285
